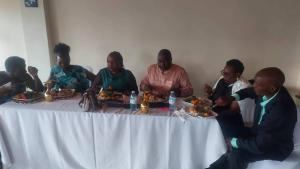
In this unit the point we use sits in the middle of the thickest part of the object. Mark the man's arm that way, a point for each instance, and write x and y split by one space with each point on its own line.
245 93
240 95
145 83
132 83
4 78
91 76
34 82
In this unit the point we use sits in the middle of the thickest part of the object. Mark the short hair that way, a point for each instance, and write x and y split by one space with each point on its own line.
14 62
62 49
117 56
276 76
236 64
166 53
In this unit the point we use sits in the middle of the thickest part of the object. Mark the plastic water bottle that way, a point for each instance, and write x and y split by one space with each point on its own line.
133 101
172 102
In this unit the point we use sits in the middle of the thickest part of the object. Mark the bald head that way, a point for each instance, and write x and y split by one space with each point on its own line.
268 81
273 75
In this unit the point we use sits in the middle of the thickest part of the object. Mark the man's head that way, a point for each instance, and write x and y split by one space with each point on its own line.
15 66
268 81
115 61
164 59
62 51
232 70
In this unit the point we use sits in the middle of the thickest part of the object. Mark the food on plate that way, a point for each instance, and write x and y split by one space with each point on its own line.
61 93
199 110
198 101
152 98
109 95
27 97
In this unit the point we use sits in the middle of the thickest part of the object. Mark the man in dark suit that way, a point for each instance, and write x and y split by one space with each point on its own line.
271 137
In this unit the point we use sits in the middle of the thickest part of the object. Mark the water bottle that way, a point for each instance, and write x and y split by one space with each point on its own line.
172 102
133 101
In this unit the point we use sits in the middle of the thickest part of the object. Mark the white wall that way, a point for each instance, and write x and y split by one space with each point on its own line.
23 33
12 41
36 38
202 34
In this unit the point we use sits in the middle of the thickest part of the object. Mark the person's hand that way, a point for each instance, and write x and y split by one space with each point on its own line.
127 92
126 99
208 90
228 144
155 93
4 90
33 71
146 87
50 84
176 91
234 107
223 101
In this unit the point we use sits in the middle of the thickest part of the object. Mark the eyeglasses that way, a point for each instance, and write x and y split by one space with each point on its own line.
223 73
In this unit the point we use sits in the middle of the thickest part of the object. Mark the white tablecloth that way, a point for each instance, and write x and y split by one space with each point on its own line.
58 135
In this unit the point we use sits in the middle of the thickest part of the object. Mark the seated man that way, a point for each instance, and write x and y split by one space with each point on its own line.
163 77
15 79
271 137
230 117
67 76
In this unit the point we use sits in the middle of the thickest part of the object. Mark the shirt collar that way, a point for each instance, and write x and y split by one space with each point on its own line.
265 100
231 85
166 71
120 73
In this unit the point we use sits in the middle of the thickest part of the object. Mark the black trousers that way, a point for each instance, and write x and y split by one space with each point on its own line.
236 159
232 125
0 162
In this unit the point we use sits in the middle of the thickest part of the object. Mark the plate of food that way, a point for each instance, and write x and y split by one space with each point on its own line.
62 93
197 111
28 97
193 100
152 98
199 107
106 95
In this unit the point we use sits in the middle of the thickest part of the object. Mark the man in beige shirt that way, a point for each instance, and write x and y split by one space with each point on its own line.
163 77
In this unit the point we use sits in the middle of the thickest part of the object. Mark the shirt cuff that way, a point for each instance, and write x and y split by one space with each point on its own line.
236 96
233 143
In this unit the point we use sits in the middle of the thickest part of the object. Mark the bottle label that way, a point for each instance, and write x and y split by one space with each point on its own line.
172 100
133 100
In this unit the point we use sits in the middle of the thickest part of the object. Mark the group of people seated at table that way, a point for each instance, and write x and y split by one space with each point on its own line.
269 137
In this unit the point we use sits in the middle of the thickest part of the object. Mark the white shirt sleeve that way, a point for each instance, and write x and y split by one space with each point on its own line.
247 106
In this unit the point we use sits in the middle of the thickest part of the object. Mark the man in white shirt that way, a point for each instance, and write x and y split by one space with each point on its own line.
239 112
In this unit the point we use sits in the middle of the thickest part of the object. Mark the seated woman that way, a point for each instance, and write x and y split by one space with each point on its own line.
67 76
163 77
15 79
115 77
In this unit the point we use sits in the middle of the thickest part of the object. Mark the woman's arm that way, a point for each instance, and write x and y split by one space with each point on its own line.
97 83
91 76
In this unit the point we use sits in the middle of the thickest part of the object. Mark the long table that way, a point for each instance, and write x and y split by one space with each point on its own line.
58 135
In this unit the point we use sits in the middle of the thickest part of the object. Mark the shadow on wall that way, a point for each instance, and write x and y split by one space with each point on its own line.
196 77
